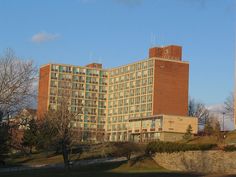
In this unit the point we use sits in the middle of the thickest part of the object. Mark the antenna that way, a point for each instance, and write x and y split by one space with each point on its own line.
90 57
153 40
100 60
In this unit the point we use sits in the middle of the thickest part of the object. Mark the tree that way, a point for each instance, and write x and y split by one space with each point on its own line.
17 79
217 131
208 129
4 139
59 124
30 135
229 106
188 134
198 109
16 90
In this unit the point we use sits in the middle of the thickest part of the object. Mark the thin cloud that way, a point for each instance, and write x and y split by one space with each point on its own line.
44 37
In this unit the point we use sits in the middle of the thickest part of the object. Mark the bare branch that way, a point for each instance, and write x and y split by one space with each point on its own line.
16 82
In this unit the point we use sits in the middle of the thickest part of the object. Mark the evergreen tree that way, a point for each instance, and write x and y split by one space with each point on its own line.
217 131
188 133
208 129
30 135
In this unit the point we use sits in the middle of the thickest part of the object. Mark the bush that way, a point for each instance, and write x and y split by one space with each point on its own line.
229 148
169 147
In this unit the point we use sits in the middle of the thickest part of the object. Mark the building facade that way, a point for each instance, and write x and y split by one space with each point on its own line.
114 101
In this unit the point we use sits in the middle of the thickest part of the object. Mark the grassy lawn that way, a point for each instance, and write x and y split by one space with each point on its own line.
34 159
142 168
230 139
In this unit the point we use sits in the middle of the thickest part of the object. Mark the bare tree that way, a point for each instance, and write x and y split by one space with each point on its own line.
229 106
17 79
199 110
60 122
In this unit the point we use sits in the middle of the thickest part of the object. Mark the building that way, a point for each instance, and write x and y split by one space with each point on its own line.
127 102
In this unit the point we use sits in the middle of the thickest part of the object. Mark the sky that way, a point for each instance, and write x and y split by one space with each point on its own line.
118 32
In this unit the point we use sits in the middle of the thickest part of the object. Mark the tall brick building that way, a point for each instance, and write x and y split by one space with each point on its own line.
144 100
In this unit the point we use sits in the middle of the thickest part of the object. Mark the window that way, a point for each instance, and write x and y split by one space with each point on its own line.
144 73
143 107
137 91
138 66
144 65
137 107
138 83
143 99
111 80
149 89
127 93
54 75
126 110
127 85
149 98
137 100
138 74
150 63
150 72
120 102
53 83
132 76
131 101
131 109
149 106
54 68
143 90
150 80
144 82
132 92
132 67
126 102
132 84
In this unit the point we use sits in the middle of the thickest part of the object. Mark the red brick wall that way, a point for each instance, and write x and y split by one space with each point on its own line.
170 52
44 75
94 65
170 88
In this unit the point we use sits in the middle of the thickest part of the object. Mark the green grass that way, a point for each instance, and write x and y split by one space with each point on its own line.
230 139
140 168
38 158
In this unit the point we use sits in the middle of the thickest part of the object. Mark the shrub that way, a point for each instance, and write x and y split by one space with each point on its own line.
229 148
169 147
126 149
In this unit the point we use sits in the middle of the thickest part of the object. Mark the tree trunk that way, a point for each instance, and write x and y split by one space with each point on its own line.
65 155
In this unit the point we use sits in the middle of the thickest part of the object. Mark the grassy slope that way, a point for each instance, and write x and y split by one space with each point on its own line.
230 139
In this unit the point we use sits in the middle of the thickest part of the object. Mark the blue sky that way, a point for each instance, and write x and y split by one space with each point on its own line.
117 32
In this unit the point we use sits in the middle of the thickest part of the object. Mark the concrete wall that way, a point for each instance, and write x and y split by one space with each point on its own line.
179 124
167 136
198 161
